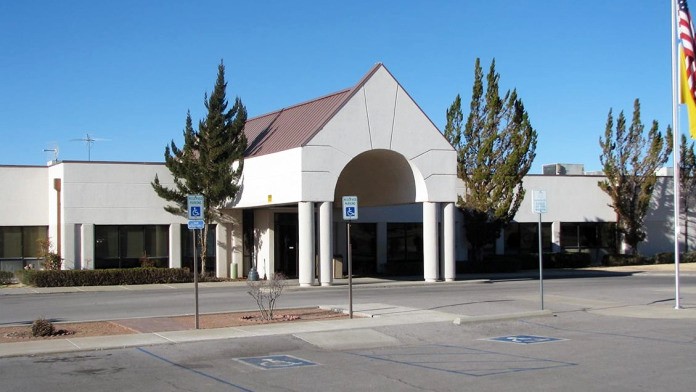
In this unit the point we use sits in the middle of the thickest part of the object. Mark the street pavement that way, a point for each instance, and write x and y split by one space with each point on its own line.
342 333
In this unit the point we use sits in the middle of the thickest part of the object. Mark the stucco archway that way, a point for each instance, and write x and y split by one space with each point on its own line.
378 177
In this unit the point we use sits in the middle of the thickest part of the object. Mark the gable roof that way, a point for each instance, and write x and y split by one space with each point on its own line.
294 126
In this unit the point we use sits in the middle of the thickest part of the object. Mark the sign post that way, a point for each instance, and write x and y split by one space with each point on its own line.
350 213
195 207
539 207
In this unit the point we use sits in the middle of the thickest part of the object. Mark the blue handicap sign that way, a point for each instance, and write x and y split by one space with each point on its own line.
196 211
350 211
276 362
525 339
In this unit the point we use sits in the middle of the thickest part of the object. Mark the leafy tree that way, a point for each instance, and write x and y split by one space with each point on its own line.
494 152
630 161
210 162
687 181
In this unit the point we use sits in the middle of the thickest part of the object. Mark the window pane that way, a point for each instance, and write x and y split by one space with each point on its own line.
132 242
157 241
32 236
11 242
106 242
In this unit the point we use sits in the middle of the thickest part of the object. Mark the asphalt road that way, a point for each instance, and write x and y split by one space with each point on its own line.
598 346
466 297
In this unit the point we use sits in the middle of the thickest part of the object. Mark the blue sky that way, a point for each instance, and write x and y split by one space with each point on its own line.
127 71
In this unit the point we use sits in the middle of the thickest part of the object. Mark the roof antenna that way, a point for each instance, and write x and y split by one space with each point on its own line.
54 150
89 141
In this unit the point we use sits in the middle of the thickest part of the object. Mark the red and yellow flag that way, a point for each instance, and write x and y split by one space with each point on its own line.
687 64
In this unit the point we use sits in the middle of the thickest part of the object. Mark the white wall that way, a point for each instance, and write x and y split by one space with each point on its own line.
114 193
276 175
380 115
24 200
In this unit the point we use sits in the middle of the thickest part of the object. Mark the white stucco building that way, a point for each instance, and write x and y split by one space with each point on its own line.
370 140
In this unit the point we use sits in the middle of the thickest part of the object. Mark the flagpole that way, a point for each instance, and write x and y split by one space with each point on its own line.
675 150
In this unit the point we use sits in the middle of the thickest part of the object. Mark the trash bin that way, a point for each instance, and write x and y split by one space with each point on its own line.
338 267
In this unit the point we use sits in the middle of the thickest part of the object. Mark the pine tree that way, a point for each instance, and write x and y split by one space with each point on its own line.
494 153
687 182
210 162
630 161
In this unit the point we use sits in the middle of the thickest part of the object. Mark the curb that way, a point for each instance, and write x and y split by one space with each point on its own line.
509 316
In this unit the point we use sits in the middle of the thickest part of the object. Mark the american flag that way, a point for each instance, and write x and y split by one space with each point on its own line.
686 35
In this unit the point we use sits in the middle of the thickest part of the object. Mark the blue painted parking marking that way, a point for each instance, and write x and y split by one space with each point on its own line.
276 362
525 339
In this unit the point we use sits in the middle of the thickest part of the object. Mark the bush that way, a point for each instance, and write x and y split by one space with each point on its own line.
266 293
619 260
689 257
42 327
663 258
104 277
6 277
568 260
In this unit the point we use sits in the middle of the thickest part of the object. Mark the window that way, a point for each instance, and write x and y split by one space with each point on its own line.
405 248
20 242
523 238
187 249
126 246
579 235
363 238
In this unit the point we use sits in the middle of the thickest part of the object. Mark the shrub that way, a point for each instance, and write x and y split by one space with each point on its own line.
51 260
568 260
266 292
104 277
42 327
664 258
689 257
6 277
619 260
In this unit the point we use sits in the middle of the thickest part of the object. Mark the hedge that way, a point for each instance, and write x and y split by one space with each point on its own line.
104 277
6 277
660 258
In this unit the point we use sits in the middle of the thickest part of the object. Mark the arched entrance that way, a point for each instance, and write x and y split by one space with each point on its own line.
382 179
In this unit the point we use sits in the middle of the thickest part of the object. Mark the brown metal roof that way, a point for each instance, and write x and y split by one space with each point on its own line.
293 126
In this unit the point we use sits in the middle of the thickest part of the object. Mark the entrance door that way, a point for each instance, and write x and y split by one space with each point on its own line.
286 241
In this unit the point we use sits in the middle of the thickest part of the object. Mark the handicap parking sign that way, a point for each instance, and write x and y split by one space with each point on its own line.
195 207
350 207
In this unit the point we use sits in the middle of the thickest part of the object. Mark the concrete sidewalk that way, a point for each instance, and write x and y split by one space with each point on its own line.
366 316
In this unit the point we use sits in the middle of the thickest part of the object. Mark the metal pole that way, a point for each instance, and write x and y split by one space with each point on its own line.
195 275
675 149
541 268
350 275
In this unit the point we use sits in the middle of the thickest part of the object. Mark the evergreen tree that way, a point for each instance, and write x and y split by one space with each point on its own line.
630 161
210 162
687 182
494 152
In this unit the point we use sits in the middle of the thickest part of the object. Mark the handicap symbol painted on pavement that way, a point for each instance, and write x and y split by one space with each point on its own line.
525 339
276 362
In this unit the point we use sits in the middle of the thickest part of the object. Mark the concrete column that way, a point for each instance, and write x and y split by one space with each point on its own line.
448 242
326 243
70 235
556 237
221 246
305 212
175 245
382 242
87 243
236 243
430 259
500 243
